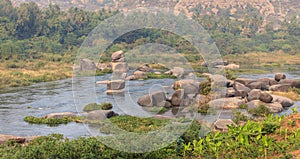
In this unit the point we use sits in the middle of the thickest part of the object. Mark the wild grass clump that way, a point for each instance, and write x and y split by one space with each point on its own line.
261 110
95 106
133 124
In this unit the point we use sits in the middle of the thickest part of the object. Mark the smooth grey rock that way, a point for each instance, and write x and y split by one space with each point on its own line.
221 124
280 87
265 97
284 101
279 76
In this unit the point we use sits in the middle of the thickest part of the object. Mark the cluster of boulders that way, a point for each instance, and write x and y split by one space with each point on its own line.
240 92
141 72
221 64
186 91
255 92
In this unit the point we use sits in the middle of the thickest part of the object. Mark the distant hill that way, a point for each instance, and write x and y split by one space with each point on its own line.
272 9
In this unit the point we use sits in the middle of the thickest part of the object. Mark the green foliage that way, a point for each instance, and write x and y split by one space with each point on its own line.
56 146
243 106
296 90
205 87
160 76
134 124
50 121
252 140
230 75
95 106
261 110
239 117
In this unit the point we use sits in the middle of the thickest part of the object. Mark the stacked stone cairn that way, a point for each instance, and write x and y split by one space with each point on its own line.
120 68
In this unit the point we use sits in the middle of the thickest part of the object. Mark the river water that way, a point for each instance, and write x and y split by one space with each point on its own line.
71 96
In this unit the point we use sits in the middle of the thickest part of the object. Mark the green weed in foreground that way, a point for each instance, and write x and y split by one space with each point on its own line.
264 139
252 140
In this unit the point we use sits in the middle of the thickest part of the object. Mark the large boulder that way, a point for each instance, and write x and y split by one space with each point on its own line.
152 99
115 85
268 81
202 99
279 76
99 115
284 101
140 75
103 66
60 115
229 67
118 56
145 101
265 97
293 83
280 87
230 92
254 95
177 97
189 86
222 124
274 107
215 63
120 67
87 65
257 85
232 67
226 103
244 81
241 90
219 81
176 71
145 68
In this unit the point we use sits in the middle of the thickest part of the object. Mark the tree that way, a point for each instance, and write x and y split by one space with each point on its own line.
29 20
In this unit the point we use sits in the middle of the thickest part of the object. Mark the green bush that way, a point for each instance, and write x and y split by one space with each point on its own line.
95 106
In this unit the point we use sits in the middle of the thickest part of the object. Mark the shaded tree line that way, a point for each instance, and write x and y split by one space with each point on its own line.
28 30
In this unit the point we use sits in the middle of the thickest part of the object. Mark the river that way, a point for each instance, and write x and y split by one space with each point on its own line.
58 96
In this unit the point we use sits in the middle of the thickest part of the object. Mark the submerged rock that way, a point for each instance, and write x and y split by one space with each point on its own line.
152 99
